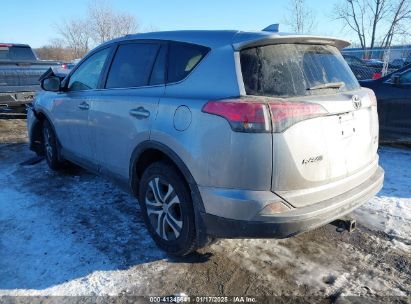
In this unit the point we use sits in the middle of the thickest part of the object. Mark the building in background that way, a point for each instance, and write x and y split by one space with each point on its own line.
395 52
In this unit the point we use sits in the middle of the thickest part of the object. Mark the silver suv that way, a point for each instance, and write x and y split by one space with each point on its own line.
219 134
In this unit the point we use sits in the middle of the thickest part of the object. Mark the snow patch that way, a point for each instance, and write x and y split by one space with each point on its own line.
390 210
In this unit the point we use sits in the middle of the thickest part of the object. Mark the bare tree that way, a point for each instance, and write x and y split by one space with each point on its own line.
107 24
368 19
300 17
76 35
353 13
400 21
101 24
379 9
400 14
56 49
124 24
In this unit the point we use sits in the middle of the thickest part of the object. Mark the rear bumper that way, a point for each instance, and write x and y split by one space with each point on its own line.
297 220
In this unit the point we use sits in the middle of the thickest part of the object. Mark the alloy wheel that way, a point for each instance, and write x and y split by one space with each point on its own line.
164 209
47 143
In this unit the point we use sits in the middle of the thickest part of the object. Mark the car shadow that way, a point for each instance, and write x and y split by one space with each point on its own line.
60 227
7 116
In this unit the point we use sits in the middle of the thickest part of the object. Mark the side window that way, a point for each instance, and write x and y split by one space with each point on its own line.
132 65
88 74
406 77
183 58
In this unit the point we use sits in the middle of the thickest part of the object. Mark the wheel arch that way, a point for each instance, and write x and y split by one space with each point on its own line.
36 134
151 151
37 139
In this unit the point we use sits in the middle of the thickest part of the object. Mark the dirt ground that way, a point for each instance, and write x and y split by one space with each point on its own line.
74 233
12 128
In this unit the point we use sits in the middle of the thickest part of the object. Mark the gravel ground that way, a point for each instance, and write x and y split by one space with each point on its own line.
76 234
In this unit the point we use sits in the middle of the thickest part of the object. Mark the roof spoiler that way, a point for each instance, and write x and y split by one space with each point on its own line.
274 28
278 38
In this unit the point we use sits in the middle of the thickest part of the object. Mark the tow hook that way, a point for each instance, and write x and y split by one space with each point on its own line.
343 224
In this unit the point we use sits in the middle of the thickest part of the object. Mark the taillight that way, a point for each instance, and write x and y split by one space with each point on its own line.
376 75
373 98
284 114
243 116
64 66
254 116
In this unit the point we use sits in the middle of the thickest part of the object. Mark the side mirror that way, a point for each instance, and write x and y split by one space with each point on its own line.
51 84
396 79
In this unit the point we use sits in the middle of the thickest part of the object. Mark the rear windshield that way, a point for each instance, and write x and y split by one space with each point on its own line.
16 53
288 70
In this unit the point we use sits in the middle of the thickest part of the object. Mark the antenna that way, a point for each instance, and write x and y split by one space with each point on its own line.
275 28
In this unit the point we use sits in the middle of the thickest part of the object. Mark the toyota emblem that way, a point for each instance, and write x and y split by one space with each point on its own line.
356 101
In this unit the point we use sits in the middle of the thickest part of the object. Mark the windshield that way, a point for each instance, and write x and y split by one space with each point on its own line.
288 70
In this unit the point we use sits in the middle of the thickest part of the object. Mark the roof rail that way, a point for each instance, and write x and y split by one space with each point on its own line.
275 28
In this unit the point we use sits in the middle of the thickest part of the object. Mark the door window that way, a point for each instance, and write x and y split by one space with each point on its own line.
132 65
87 76
159 69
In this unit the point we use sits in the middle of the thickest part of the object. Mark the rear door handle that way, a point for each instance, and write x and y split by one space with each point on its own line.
140 113
84 106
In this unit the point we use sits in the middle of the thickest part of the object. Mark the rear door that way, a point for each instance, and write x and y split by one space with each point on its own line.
325 128
123 113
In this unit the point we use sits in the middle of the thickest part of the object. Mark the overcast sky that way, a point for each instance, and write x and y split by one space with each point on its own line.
33 22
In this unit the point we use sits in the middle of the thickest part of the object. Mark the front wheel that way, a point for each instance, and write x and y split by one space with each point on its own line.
167 209
50 147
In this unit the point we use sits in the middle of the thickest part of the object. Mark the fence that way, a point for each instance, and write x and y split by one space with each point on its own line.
377 62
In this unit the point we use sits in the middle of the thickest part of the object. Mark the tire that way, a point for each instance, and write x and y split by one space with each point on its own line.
167 209
50 147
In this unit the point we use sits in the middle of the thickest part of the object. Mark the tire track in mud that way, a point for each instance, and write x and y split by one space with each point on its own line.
320 263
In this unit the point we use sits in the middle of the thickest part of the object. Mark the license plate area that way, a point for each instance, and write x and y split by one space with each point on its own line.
347 124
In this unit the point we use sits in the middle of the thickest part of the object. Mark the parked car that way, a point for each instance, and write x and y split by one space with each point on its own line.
397 63
394 104
379 65
360 69
19 73
70 65
374 62
219 134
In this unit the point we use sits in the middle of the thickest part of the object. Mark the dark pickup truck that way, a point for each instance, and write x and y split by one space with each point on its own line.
20 71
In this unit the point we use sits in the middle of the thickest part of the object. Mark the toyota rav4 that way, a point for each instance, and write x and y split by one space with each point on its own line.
218 134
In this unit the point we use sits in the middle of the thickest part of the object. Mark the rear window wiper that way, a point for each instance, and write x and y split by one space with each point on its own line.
330 85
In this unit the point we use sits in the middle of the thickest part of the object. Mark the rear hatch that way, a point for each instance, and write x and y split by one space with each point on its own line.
325 127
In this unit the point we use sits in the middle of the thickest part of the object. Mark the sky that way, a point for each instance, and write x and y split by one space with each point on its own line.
34 21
